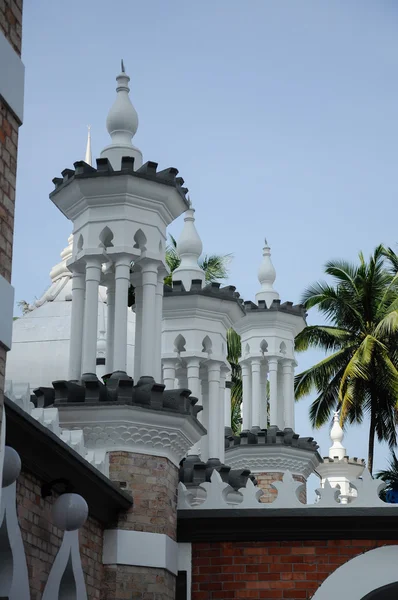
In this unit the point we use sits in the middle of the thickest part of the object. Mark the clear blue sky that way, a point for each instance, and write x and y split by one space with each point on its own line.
280 115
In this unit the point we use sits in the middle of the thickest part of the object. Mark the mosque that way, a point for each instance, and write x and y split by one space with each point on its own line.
122 477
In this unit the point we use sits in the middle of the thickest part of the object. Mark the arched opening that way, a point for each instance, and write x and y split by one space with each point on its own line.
282 348
140 240
106 237
365 577
207 345
80 243
264 346
247 349
179 344
387 592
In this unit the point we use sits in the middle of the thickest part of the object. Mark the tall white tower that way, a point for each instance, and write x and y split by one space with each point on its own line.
267 336
120 212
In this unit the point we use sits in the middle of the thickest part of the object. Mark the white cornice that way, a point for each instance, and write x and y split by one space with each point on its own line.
272 458
134 429
140 549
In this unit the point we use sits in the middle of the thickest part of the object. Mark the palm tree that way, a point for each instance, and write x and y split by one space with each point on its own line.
234 353
389 476
360 376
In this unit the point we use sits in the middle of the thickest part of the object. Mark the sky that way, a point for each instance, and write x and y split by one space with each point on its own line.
281 116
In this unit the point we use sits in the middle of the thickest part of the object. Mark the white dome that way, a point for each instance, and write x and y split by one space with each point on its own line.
40 341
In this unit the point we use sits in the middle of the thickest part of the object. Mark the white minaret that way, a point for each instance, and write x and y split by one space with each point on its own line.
196 319
122 125
189 248
338 469
267 337
119 236
266 277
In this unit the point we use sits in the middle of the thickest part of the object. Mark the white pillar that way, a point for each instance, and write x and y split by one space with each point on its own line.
256 391
213 431
110 323
93 277
149 319
122 282
193 379
158 324
76 330
221 413
137 283
264 400
227 404
273 392
288 393
246 396
169 373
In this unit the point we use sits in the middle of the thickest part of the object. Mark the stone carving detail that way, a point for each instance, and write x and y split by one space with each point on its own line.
218 494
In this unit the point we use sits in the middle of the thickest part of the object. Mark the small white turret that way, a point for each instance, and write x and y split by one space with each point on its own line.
266 277
122 125
337 449
189 248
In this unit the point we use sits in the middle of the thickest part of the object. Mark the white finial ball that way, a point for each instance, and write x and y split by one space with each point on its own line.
11 467
70 512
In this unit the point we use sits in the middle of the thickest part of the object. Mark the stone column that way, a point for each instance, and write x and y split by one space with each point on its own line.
93 277
288 393
246 396
273 384
110 323
227 404
76 330
204 415
256 391
137 283
149 319
158 324
194 384
264 400
215 428
169 373
221 418
122 282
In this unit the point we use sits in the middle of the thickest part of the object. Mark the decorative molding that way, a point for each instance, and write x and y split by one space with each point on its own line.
12 81
361 575
140 549
277 458
6 289
116 427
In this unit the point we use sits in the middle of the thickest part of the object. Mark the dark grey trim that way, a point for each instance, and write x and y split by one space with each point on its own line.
256 525
100 361
49 459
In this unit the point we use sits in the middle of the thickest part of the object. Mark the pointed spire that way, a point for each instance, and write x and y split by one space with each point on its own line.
337 449
88 158
189 248
122 124
61 270
266 277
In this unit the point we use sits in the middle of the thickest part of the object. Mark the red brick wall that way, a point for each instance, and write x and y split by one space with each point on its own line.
235 570
42 540
265 480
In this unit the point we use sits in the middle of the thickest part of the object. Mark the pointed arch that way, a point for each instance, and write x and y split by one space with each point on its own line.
247 349
282 348
106 237
80 243
179 343
207 345
264 346
140 240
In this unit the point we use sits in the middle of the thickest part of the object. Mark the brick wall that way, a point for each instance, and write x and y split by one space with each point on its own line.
265 480
42 539
237 570
153 481
11 27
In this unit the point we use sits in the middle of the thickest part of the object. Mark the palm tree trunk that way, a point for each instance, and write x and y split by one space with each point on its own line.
371 445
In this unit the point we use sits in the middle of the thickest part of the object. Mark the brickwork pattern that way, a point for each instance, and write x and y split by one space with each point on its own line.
11 27
42 539
265 480
237 570
123 582
153 483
